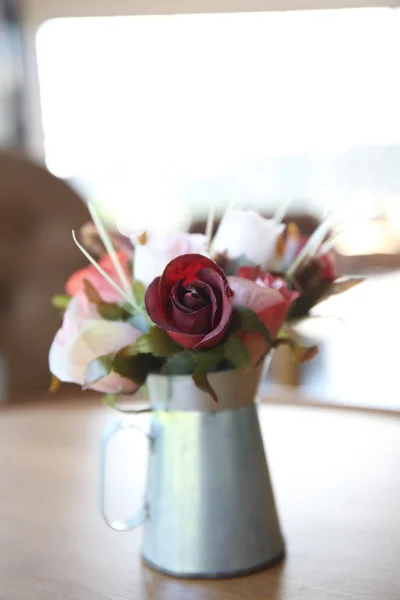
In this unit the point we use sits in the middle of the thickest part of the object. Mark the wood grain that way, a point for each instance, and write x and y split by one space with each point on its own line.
337 482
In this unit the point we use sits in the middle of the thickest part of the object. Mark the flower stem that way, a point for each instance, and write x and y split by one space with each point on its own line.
129 300
105 238
210 224
310 248
281 211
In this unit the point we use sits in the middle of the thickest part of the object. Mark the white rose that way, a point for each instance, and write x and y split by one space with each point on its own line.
84 336
151 258
246 233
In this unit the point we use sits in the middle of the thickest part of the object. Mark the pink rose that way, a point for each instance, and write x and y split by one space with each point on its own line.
271 306
84 336
74 285
264 279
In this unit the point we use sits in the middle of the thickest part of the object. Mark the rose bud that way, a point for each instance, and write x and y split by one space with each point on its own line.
312 280
191 301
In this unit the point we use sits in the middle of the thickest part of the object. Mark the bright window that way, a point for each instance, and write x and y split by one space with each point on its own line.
174 112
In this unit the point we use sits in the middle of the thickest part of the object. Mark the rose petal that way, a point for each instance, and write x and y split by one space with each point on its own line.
193 300
185 340
269 304
246 233
74 285
217 334
251 273
277 283
189 320
154 305
218 285
196 295
192 323
203 290
186 268
83 337
158 315
175 297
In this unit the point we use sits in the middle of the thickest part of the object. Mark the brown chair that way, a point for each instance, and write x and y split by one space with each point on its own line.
37 213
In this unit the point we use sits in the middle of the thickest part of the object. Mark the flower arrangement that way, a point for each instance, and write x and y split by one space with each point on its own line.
189 304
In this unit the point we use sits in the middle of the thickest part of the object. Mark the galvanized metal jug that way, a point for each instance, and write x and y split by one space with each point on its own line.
209 507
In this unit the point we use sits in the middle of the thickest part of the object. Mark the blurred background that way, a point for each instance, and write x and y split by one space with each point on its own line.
137 105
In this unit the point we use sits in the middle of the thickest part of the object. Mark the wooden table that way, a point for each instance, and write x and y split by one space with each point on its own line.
337 482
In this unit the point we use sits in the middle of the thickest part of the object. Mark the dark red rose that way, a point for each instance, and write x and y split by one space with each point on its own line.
312 280
191 301
315 272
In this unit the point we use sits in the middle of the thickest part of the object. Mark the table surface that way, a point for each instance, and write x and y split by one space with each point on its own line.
337 482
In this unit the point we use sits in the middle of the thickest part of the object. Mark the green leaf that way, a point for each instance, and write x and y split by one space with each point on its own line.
110 311
128 308
201 381
179 364
206 362
61 301
98 368
244 319
136 367
236 352
139 291
109 400
300 352
156 342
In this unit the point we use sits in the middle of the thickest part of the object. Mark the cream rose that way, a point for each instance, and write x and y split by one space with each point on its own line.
84 336
246 233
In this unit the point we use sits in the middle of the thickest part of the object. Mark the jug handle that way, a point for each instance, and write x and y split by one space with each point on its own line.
142 514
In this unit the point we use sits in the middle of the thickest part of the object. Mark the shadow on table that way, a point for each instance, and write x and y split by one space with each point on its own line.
265 584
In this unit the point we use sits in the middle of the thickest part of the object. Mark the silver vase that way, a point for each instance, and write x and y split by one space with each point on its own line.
209 509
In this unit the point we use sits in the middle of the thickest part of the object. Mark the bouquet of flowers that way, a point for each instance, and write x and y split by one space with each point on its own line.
183 303
303 264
